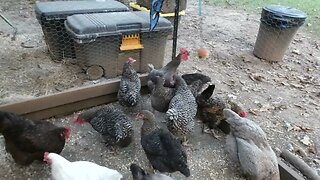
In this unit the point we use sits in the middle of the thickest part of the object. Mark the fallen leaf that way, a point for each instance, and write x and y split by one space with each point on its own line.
254 111
306 140
256 77
297 86
296 51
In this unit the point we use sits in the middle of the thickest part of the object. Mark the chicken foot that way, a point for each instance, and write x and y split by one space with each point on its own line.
213 133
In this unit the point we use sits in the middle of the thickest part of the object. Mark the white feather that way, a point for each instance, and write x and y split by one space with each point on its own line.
62 169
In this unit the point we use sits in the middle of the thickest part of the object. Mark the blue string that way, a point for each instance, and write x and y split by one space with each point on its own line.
200 7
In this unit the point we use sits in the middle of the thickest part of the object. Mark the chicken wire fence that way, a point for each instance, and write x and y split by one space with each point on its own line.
278 26
101 36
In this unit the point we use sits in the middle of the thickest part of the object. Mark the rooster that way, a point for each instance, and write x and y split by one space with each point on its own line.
62 169
247 145
130 85
27 140
163 150
182 110
168 71
139 174
115 127
161 96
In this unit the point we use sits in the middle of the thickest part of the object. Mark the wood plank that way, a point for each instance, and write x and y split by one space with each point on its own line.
287 173
67 97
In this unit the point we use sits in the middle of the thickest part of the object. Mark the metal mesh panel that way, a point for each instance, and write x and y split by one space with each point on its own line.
276 31
103 54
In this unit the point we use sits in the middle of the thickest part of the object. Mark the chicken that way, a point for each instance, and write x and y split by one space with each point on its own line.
196 82
62 169
162 149
139 174
210 110
247 145
161 96
182 111
27 140
130 85
168 71
115 127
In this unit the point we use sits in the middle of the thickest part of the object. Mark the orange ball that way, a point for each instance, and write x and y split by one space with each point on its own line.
203 53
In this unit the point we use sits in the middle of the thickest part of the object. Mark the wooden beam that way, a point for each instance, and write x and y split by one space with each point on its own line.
68 101
287 172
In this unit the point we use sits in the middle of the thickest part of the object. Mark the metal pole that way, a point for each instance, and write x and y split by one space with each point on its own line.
175 29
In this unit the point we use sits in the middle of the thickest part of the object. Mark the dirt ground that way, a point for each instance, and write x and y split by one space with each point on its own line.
284 97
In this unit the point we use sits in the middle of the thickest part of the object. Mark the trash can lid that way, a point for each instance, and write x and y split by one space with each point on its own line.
285 11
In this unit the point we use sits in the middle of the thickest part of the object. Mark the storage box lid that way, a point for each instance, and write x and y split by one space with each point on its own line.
62 9
91 26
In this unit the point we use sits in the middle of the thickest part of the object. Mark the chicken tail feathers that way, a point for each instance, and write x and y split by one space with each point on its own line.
137 172
172 115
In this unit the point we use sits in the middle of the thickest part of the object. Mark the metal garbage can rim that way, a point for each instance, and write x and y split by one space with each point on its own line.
285 11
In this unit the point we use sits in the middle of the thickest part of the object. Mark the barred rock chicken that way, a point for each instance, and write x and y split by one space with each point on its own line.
112 124
247 144
163 150
168 71
139 174
62 169
182 111
130 85
161 96
27 140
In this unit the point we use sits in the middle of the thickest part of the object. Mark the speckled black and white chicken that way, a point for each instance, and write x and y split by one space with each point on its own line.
180 116
168 71
161 96
130 85
247 145
162 148
112 124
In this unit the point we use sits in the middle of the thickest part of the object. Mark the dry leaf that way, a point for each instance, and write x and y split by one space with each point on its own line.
306 140
256 77
296 51
254 111
297 85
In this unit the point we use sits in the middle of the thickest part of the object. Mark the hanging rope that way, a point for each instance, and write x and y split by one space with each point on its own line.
175 29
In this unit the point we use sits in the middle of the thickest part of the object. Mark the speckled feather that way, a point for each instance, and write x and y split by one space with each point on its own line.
182 109
113 124
130 86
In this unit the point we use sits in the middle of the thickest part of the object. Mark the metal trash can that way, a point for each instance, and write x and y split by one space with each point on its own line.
278 26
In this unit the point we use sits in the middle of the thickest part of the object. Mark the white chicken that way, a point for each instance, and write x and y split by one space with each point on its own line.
62 169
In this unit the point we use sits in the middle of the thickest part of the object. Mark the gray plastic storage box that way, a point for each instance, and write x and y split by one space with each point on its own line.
109 39
51 16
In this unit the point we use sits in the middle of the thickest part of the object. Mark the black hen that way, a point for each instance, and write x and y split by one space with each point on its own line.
27 140
114 125
130 85
139 174
196 82
163 150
